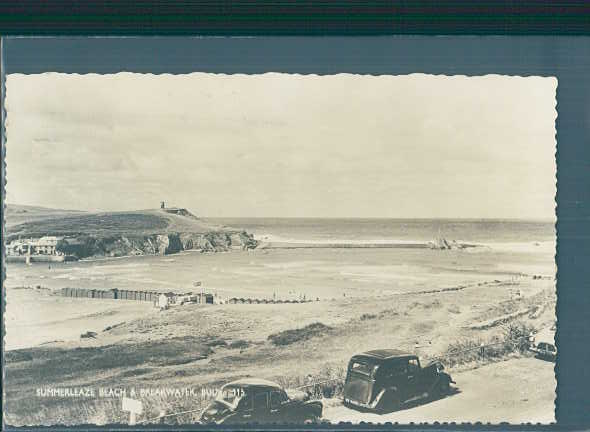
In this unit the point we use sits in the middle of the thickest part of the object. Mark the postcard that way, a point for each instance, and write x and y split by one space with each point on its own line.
210 248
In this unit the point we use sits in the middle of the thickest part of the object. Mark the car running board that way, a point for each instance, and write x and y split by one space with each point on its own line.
422 396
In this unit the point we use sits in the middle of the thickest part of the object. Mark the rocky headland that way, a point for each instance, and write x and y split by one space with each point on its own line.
144 232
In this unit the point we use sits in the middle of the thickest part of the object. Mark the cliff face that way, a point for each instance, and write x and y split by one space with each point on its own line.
85 246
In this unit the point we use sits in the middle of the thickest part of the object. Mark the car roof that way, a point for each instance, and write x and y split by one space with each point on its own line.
383 354
253 382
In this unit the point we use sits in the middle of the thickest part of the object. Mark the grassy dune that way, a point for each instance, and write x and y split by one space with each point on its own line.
204 347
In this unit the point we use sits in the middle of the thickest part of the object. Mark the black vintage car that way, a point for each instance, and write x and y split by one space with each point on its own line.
383 380
259 401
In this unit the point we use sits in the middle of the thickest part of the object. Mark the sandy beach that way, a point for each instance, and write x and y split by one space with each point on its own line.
365 298
37 315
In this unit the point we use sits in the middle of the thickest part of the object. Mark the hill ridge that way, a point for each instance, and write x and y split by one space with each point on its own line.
135 232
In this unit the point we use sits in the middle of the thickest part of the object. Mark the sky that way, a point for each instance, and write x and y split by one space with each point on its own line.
284 145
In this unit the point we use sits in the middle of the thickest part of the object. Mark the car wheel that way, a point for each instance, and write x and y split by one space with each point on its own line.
389 403
444 387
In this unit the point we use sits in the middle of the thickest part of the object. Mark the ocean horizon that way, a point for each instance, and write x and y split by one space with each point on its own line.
475 230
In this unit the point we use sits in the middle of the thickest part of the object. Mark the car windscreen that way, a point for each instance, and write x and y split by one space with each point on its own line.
231 396
546 347
362 368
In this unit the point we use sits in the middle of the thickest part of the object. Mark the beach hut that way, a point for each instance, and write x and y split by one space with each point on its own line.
89 293
163 301
142 295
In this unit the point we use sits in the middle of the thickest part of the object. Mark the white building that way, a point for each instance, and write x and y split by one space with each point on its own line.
42 246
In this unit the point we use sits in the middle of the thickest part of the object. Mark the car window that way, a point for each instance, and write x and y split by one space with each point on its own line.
244 403
277 398
412 366
551 348
361 368
394 369
260 401
234 396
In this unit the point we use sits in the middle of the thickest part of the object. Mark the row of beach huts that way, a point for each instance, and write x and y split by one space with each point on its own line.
235 300
170 297
117 294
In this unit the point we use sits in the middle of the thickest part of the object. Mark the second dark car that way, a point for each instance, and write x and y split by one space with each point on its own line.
254 400
383 380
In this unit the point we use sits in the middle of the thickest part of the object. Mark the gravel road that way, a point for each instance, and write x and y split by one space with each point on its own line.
513 391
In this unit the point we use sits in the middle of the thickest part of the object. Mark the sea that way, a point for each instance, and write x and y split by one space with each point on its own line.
468 230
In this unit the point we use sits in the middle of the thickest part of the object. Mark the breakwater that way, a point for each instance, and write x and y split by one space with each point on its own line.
438 245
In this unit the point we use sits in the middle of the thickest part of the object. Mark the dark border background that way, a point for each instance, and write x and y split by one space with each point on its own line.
567 58
289 17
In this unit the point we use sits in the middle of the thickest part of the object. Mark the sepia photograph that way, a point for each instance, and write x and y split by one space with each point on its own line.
211 248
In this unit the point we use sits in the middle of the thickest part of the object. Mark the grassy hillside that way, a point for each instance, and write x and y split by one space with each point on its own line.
102 225
18 214
115 234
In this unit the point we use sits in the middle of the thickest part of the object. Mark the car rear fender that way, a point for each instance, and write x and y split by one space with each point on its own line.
314 407
448 377
442 377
